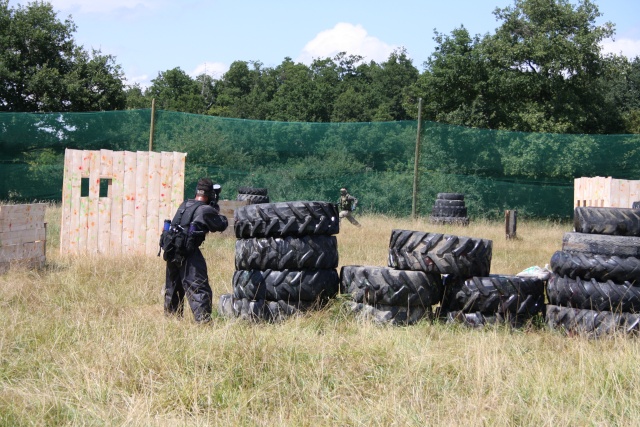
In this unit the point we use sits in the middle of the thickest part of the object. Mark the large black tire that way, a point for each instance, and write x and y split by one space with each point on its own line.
591 322
252 198
479 320
601 244
443 203
440 253
391 314
286 285
450 211
598 267
611 221
386 286
261 310
494 294
593 295
252 190
286 219
450 196
287 253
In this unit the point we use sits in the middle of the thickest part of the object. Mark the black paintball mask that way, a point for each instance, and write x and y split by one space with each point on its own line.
208 189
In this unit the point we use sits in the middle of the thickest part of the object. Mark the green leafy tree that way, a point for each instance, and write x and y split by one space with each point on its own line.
454 84
389 81
243 92
43 70
542 71
546 61
136 98
624 88
295 98
175 90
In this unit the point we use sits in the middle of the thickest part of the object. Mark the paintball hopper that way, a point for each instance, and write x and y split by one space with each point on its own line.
215 193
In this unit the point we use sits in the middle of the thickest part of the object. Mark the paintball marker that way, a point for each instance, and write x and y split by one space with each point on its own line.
215 196
216 192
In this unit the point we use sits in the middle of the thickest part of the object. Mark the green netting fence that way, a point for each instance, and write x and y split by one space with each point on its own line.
496 170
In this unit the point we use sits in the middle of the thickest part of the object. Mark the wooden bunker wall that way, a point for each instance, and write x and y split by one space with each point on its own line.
22 235
115 202
605 192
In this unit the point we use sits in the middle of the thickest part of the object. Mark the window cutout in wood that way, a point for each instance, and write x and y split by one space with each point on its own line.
84 187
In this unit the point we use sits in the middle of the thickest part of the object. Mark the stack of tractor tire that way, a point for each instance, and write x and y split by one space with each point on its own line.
595 285
470 295
252 195
286 260
449 208
493 299
410 286
390 296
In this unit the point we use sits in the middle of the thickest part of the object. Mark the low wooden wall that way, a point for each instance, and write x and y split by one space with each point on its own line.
23 235
605 192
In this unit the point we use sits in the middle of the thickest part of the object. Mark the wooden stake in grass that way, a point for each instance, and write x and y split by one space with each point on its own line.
510 221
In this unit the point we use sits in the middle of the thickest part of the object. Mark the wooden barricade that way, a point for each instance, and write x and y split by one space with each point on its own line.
115 202
23 235
605 192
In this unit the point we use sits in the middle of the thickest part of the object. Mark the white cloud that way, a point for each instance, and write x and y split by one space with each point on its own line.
627 47
104 6
213 69
349 38
143 80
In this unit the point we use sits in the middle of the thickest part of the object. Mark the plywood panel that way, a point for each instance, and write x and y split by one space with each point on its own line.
589 192
15 237
65 216
117 191
634 191
104 227
166 170
13 216
82 229
106 163
606 192
140 196
177 186
623 194
154 222
84 205
606 198
20 227
74 215
128 202
92 202
142 185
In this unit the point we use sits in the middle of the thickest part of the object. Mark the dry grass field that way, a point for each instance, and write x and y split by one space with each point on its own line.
84 342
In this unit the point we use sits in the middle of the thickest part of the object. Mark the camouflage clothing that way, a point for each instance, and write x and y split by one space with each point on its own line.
346 204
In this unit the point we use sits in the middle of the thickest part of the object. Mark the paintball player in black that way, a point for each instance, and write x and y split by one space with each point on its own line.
187 275
346 205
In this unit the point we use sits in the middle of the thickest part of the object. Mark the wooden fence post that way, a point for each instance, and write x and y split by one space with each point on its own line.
510 221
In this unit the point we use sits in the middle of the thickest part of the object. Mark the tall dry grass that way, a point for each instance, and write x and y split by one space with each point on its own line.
85 342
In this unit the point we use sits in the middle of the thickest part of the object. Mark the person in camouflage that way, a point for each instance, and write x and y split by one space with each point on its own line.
346 205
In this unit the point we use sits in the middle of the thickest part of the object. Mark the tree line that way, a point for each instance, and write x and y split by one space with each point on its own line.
542 70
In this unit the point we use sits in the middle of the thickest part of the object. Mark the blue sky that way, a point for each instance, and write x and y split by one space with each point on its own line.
151 36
